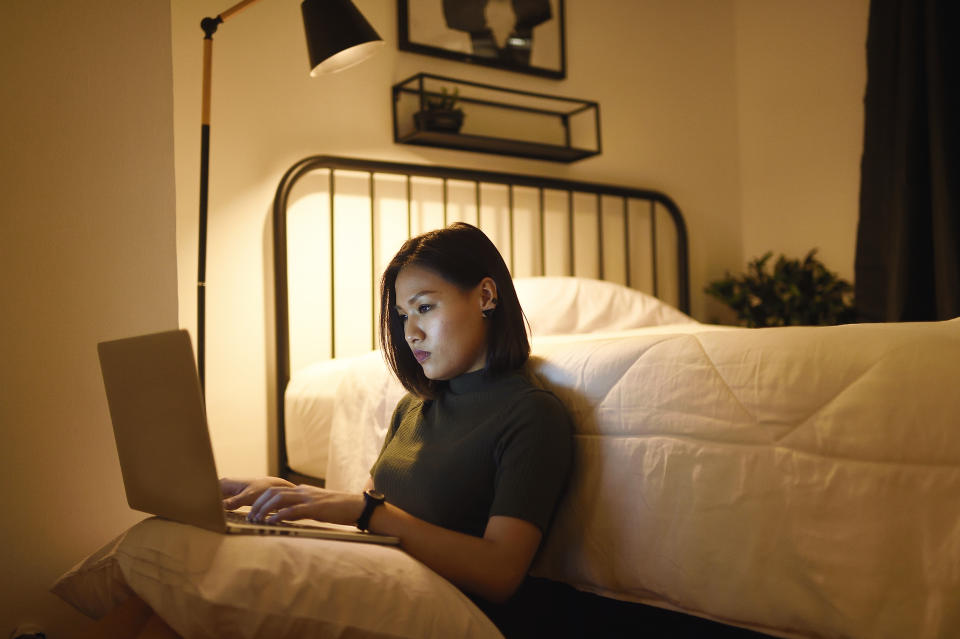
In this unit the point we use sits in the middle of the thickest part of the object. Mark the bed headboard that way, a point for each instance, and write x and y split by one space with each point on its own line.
358 212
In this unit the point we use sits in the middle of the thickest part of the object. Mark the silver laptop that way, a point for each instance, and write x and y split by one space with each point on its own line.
160 427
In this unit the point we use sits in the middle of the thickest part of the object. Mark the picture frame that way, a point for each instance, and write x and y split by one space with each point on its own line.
525 36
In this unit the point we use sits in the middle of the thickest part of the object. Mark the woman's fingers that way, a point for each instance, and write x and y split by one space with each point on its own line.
270 500
296 511
276 500
302 502
244 492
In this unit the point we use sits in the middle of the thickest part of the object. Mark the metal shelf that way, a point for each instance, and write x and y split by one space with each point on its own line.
499 120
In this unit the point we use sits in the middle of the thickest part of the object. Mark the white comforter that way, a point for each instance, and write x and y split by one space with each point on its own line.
804 481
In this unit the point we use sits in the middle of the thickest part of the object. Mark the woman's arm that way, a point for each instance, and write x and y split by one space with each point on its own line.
492 566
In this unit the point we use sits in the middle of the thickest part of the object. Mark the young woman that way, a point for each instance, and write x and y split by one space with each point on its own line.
476 456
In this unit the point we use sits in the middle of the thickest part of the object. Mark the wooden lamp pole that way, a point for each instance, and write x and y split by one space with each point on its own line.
338 36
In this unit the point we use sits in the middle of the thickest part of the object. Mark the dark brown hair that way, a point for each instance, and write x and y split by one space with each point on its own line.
463 255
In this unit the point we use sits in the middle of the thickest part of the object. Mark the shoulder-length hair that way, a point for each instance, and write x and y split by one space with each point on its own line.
463 255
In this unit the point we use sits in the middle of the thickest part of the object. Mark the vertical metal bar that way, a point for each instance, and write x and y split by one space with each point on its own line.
510 225
444 202
333 326
572 270
373 265
600 235
626 238
409 211
476 197
653 247
543 242
596 121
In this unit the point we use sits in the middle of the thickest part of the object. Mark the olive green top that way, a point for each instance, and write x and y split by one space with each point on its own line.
485 447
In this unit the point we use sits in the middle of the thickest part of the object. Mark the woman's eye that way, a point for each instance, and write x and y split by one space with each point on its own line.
423 308
403 318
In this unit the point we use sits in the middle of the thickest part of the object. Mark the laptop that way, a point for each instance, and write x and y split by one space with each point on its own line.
163 443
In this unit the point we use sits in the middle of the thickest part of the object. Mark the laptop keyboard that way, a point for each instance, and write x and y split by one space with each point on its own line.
241 518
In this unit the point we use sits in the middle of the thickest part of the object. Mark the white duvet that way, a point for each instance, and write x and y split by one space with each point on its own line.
803 481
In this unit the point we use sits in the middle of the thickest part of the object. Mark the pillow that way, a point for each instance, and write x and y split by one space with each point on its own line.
565 305
206 584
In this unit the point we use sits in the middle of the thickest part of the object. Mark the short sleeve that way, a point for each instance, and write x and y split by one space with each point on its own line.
533 457
403 406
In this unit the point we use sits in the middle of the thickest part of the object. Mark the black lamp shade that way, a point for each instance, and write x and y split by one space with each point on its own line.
338 36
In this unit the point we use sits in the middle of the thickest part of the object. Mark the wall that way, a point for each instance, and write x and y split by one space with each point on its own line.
748 113
801 76
87 252
663 72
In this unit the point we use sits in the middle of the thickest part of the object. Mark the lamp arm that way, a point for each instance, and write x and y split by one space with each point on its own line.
209 26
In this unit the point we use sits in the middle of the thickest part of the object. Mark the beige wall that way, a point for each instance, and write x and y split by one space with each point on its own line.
663 72
87 252
730 106
747 112
801 76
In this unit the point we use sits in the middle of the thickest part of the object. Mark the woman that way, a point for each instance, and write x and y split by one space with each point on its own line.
476 456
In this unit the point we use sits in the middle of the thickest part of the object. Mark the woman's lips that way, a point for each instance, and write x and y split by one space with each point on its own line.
421 356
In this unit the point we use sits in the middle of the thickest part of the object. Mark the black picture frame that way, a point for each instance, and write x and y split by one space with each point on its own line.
479 36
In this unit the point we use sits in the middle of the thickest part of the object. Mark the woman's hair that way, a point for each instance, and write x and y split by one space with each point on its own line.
462 255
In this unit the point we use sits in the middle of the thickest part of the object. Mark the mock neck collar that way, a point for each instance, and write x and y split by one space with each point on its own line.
469 382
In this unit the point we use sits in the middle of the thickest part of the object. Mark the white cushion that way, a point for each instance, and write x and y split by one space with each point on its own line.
205 584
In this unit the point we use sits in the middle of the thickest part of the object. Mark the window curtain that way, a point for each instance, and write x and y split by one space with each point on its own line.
908 237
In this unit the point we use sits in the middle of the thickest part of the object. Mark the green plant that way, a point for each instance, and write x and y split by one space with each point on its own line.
795 293
444 101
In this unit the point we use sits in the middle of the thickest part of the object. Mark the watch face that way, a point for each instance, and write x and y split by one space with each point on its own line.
376 496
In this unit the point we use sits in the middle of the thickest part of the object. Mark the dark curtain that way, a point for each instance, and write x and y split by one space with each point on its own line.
908 238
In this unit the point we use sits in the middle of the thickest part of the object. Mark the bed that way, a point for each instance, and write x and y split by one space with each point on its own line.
798 482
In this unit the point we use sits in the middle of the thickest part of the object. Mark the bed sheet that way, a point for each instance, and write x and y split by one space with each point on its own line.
802 481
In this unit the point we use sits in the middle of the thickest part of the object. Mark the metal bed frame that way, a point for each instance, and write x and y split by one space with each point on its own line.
409 171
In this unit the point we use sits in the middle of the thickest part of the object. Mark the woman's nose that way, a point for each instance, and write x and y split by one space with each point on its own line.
412 331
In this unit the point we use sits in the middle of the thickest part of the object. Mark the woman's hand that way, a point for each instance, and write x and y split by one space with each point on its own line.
306 502
243 492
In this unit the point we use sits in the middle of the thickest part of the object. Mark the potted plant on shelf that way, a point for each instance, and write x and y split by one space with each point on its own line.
441 112
795 293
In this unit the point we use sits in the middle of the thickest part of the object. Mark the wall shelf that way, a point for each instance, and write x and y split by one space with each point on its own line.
499 120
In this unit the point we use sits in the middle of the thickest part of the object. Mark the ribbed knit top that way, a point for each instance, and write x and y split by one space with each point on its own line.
485 447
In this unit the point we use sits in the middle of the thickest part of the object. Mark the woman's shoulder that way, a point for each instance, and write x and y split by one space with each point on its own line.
533 402
408 404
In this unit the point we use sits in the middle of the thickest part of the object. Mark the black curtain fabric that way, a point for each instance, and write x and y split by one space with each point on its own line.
908 238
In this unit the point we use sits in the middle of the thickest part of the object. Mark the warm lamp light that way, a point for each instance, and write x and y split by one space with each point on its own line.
338 37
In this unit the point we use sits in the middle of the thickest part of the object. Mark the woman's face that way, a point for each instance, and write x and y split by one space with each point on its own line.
443 324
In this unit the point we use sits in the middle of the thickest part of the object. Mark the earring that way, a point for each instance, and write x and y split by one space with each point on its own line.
489 311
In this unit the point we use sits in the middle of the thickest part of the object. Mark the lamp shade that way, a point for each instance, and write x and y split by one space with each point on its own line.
338 36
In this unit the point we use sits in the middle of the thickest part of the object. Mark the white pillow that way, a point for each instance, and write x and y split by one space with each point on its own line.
205 584
565 305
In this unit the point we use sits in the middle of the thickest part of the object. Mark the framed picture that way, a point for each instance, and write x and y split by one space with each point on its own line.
526 36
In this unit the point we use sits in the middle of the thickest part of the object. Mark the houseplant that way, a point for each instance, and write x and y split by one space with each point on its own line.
796 292
440 112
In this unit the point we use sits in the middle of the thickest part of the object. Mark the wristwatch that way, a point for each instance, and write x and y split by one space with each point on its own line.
371 499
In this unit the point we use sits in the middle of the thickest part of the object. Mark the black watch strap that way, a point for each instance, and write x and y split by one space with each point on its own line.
371 499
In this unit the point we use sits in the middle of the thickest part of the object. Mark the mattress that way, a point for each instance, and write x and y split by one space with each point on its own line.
802 481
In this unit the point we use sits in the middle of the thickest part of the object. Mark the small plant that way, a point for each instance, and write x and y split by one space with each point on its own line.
796 293
446 101
440 112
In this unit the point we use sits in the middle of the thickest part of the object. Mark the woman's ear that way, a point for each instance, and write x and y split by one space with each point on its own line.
488 294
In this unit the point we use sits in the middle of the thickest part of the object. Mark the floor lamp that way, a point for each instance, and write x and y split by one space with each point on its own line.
338 36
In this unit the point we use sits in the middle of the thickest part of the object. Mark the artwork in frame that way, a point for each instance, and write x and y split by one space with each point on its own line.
526 36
